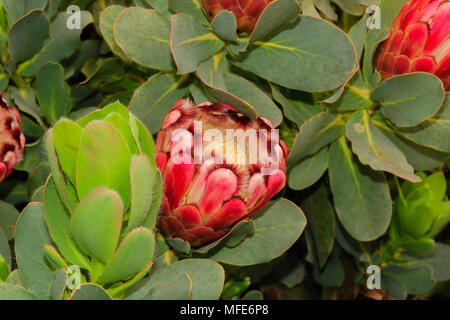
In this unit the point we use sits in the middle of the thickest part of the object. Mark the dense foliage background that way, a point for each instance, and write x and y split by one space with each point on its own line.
367 164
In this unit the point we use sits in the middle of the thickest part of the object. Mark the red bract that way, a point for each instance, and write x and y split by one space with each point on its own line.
419 40
205 194
12 140
246 12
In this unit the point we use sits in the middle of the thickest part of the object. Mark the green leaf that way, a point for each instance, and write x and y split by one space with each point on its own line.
31 236
409 99
191 7
8 219
4 268
321 47
430 132
357 34
206 277
96 223
361 196
191 43
53 258
59 284
438 260
224 25
314 134
420 157
107 19
58 223
5 252
416 279
332 275
18 8
26 37
104 72
134 253
25 100
161 6
373 148
62 43
306 172
373 39
276 14
272 236
52 92
90 291
143 35
12 292
142 178
103 160
15 278
101 114
153 100
294 108
122 124
320 215
356 95
66 139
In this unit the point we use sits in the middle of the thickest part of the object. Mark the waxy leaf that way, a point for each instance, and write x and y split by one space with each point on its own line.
66 139
101 114
276 14
8 219
142 178
18 8
134 253
373 148
90 291
361 196
295 110
306 172
355 96
143 35
272 236
312 55
314 134
52 92
61 44
13 292
107 19
420 157
320 215
58 223
96 223
103 160
5 252
438 260
153 100
191 7
30 238
373 39
26 37
430 133
416 279
191 43
409 99
59 284
224 25
206 278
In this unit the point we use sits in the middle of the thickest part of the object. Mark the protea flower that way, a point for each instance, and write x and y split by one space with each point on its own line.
418 41
246 12
12 140
210 174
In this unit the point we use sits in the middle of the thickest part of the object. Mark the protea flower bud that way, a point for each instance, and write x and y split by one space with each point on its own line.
12 140
418 41
246 12
213 175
